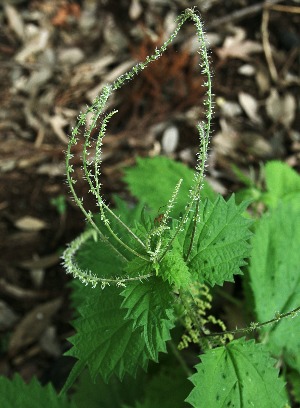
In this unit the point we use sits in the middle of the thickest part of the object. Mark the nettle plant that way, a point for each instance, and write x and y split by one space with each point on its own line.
145 282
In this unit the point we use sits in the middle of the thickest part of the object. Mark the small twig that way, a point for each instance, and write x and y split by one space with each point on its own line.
267 46
21 293
289 62
286 9
240 14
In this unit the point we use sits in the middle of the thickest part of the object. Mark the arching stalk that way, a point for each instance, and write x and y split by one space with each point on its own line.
92 176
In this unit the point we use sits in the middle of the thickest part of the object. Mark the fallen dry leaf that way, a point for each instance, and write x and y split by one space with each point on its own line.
229 109
20 293
255 144
250 106
110 77
281 109
288 103
64 12
262 78
170 139
71 56
37 43
231 141
28 223
135 10
226 140
247 70
15 21
237 46
58 123
7 316
37 276
49 342
33 325
273 105
52 169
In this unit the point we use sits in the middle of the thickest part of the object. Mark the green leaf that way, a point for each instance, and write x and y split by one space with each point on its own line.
16 393
239 375
153 180
149 306
126 212
106 341
80 293
112 395
249 194
281 181
167 389
76 371
221 241
99 258
247 180
294 378
275 277
174 270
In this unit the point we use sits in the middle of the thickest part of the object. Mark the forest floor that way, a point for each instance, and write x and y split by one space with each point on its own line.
55 58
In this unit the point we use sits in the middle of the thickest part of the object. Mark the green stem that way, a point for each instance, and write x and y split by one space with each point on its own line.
180 359
204 135
255 326
88 215
97 108
124 226
228 297
96 190
86 276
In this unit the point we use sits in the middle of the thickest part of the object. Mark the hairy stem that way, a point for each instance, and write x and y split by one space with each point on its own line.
92 175
204 136
255 326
